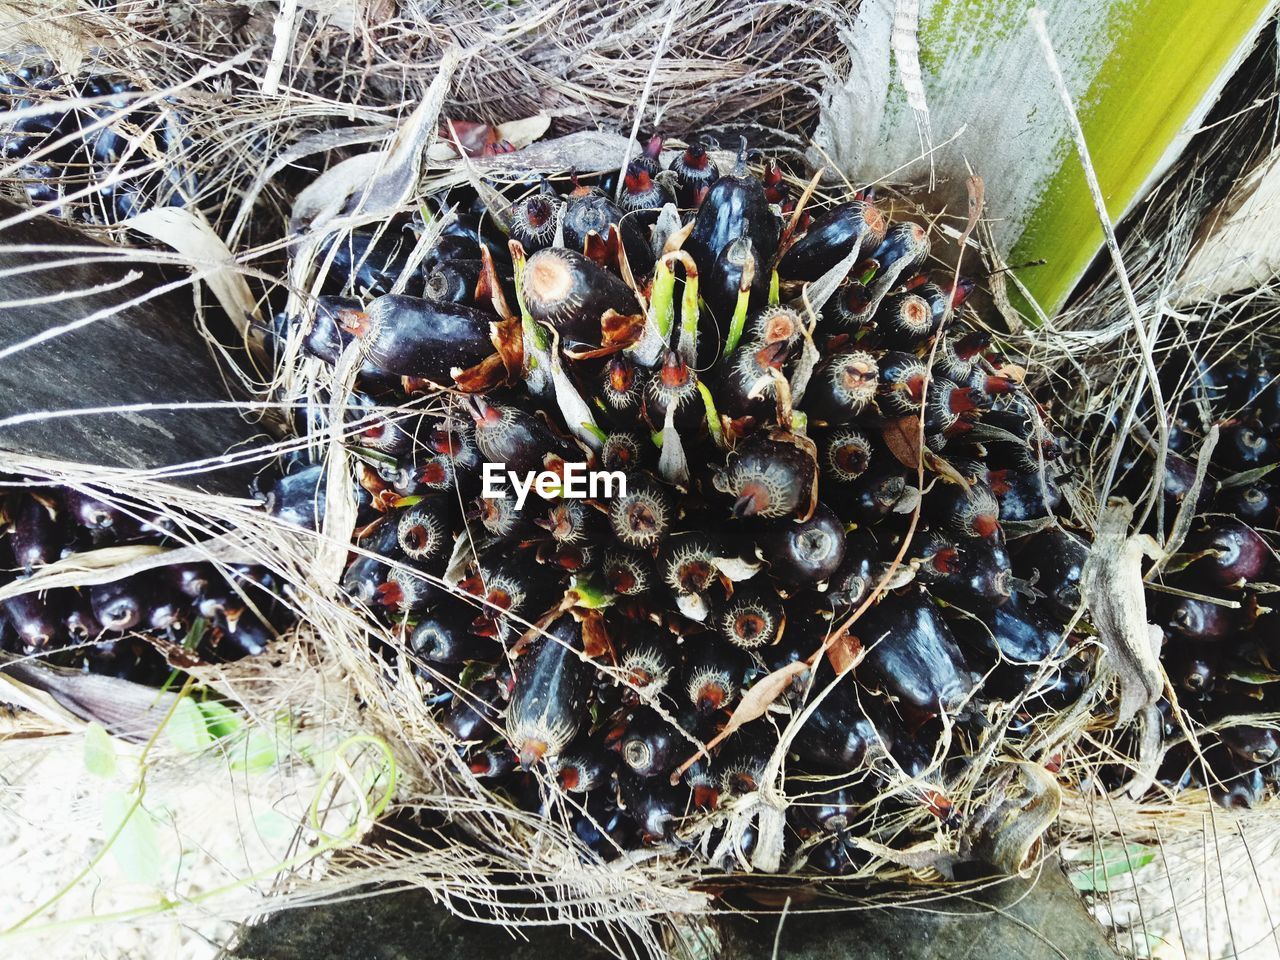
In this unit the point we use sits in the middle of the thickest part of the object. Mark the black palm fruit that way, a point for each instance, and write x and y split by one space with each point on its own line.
855 226
115 158
552 683
125 627
766 443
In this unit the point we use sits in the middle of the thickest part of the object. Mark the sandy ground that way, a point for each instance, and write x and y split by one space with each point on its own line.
204 824
1209 890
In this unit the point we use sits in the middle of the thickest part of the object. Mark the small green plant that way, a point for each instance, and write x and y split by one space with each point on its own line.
1108 863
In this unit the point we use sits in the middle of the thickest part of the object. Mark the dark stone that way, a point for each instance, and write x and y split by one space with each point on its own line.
1043 919
146 353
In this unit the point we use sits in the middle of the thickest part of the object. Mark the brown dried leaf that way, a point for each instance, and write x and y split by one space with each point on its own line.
507 337
676 242
489 288
485 375
603 251
977 191
753 705
845 653
377 183
1012 371
902 437
595 637
941 466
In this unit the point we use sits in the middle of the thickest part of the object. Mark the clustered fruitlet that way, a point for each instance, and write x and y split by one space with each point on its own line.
760 384
1213 598
99 163
139 627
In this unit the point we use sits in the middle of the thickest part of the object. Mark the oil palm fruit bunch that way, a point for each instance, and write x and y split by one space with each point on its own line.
756 384
1211 598
140 627
102 162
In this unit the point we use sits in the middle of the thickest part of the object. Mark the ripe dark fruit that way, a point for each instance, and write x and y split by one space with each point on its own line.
533 223
500 517
430 339
473 716
35 619
367 571
651 746
552 682
972 512
1193 667
492 763
904 248
1252 744
901 383
36 537
1233 552
854 578
912 652
642 519
647 665
751 618
713 676
626 451
673 388
695 173
906 318
509 435
842 388
1255 504
1245 447
766 499
808 553
845 455
840 734
368 263
1025 496
768 479
857 225
592 212
569 292
119 605
629 573
1198 620
570 522
1054 561
406 592
443 636
585 769
330 331
423 531
1234 783
652 805
640 191
453 281
968 573
621 391
80 623
874 494
735 208
748 387
720 286
957 358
